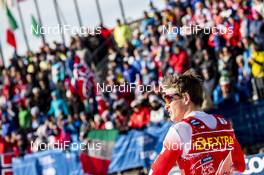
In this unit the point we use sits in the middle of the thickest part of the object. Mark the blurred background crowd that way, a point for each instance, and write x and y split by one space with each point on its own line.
52 95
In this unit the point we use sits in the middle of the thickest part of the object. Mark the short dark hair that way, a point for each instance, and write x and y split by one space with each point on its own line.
188 82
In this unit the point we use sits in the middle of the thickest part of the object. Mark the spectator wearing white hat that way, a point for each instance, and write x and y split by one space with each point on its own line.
157 113
37 118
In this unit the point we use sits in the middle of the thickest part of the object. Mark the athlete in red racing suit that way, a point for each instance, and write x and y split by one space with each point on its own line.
200 144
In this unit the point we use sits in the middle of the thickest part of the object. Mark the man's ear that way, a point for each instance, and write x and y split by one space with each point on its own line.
186 98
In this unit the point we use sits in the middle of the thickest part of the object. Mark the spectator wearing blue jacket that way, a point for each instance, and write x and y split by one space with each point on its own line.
129 73
72 126
58 105
146 22
58 72
224 96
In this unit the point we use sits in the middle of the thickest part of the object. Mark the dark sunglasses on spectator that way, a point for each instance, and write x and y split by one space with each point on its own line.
169 97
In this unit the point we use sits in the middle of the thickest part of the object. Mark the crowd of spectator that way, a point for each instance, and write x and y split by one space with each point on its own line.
53 95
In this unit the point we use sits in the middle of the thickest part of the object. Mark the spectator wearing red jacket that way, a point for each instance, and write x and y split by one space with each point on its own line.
7 144
233 37
2 145
140 116
179 60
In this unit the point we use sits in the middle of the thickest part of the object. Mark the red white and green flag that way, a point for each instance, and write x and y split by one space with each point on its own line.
101 144
10 36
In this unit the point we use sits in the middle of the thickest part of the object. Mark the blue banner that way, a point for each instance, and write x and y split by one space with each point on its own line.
158 131
254 165
138 148
47 163
22 166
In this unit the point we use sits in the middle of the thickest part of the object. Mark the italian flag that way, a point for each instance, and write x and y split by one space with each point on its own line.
101 143
10 36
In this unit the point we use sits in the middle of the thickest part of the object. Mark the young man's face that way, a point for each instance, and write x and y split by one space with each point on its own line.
177 110
175 106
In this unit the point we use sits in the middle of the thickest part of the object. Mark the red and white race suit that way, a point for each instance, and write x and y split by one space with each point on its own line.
201 144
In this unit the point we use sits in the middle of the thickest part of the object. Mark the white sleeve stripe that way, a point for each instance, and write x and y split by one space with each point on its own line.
230 130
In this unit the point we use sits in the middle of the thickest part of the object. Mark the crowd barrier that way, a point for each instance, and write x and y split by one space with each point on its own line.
52 162
57 162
